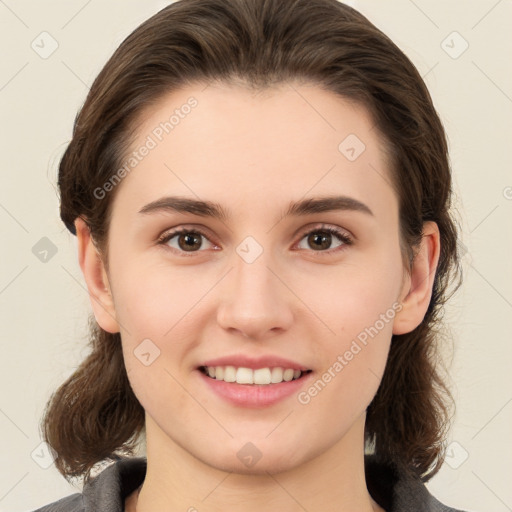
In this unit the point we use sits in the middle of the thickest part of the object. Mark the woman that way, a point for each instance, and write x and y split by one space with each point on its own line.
260 191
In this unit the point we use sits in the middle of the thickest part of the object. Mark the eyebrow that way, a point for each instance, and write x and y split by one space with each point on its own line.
303 207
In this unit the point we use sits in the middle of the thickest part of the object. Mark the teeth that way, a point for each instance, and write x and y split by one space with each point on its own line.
249 376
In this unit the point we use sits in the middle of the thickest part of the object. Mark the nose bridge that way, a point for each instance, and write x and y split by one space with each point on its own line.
253 278
253 259
254 300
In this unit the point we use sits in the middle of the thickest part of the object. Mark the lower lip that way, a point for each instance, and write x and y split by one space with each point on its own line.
254 395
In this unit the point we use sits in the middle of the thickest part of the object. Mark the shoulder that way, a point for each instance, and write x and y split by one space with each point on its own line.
73 503
397 491
106 491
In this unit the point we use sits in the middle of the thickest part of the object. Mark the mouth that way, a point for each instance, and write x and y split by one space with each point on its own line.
255 388
253 377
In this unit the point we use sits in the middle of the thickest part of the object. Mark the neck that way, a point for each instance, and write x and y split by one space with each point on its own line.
177 480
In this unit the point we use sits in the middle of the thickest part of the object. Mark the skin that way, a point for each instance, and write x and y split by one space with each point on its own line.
253 154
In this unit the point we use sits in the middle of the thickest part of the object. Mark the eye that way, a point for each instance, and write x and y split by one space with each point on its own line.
190 240
321 237
187 240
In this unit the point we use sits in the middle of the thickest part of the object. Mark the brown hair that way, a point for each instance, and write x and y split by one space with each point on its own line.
94 415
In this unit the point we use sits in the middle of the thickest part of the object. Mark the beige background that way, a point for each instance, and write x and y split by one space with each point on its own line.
44 305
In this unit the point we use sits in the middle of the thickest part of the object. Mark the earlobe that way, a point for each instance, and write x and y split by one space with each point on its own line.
417 289
96 279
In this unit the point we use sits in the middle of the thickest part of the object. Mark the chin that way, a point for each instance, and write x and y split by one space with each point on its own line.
262 467
240 455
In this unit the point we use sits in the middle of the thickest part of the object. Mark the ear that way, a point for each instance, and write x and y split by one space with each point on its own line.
417 288
96 279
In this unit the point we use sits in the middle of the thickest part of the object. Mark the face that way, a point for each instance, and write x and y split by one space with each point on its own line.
317 287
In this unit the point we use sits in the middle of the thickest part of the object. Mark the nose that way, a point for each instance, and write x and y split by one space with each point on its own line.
255 302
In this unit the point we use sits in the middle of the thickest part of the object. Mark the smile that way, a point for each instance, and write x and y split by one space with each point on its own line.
241 392
261 376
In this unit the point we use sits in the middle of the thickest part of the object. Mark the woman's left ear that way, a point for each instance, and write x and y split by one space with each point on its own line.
417 288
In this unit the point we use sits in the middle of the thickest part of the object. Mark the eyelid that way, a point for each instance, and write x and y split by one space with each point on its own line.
321 226
343 235
171 233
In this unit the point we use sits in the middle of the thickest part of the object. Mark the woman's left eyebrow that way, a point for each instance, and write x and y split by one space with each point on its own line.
303 207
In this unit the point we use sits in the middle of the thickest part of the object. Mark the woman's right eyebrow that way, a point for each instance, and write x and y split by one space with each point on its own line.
179 204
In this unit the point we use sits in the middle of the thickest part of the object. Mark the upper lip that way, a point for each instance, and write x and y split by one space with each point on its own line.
241 360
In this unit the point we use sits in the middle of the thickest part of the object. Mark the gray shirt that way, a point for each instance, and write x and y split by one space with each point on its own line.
107 491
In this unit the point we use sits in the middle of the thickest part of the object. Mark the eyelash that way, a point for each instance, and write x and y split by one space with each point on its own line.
341 235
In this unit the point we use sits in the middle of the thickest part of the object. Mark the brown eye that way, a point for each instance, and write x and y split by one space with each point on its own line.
318 240
321 239
187 240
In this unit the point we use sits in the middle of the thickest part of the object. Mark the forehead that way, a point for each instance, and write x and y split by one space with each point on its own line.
241 147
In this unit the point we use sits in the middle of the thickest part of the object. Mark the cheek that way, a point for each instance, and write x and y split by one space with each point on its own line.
361 315
159 329
353 362
156 312
153 301
363 296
